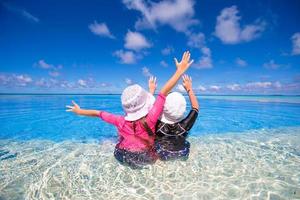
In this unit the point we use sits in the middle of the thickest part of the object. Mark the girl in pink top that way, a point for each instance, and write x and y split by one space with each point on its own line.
137 128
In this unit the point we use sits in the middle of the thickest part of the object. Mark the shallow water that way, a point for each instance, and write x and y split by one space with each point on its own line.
260 164
240 149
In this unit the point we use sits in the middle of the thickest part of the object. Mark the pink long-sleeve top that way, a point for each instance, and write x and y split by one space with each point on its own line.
135 141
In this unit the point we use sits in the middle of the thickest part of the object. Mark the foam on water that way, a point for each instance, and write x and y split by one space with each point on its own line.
261 164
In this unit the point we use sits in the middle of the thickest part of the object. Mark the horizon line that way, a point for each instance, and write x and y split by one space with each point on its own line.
155 94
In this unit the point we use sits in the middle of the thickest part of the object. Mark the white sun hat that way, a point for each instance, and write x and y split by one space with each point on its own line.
136 102
174 108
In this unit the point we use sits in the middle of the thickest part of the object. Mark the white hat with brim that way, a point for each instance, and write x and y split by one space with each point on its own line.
136 102
174 108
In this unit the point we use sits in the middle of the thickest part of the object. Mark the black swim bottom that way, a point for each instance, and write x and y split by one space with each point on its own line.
165 153
135 160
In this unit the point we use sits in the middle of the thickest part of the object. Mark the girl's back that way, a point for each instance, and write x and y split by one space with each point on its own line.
132 134
170 141
172 130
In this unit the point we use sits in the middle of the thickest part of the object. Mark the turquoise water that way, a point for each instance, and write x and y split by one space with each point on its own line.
243 147
43 116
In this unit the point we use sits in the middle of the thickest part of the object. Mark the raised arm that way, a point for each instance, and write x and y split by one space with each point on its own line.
187 84
152 84
105 116
181 68
76 109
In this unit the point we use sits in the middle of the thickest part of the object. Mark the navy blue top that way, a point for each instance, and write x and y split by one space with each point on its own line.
172 136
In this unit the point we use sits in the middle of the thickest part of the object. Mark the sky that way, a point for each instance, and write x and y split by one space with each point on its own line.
238 47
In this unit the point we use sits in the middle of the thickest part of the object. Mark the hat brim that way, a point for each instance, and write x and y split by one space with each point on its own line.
174 108
164 119
143 111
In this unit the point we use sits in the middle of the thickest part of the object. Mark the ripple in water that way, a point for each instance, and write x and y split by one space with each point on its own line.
261 164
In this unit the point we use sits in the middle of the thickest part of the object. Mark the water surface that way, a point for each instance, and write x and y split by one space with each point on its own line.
240 149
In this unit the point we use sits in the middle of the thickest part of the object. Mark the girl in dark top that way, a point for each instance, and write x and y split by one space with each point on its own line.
172 129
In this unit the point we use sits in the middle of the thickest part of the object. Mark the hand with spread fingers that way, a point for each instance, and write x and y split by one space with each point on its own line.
152 84
187 82
75 108
185 62
181 66
188 86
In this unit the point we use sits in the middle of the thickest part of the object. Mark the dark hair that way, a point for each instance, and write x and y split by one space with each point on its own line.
146 127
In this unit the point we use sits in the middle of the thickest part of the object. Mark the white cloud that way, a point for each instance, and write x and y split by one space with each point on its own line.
277 85
43 65
4 79
296 44
126 57
54 73
82 83
146 72
215 87
196 40
205 61
54 81
163 63
101 30
229 30
136 41
53 70
23 80
176 13
272 65
48 83
21 12
234 87
256 85
88 83
180 88
201 88
105 84
30 16
167 51
15 79
292 87
41 82
240 62
267 86
128 81
66 84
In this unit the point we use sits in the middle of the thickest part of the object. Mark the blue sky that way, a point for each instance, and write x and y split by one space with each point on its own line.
239 47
